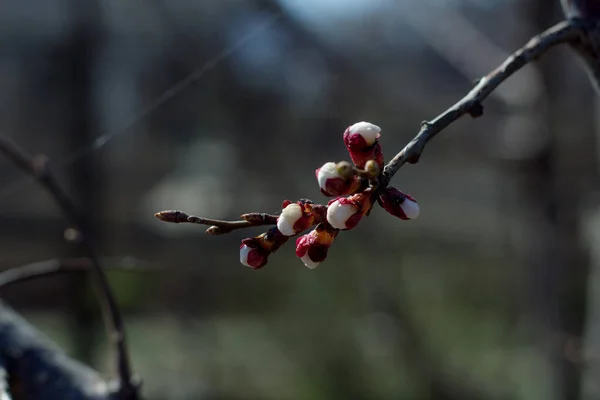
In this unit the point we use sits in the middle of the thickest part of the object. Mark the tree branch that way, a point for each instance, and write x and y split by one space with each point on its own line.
55 266
217 227
562 32
37 166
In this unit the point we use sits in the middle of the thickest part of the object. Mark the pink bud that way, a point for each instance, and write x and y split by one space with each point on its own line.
337 179
346 212
312 248
254 252
299 216
361 140
398 204
252 255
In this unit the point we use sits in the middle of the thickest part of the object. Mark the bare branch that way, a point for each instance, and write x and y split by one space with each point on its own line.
55 266
37 166
217 227
562 32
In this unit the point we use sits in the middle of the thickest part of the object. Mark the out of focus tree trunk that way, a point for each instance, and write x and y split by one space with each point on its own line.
84 175
553 182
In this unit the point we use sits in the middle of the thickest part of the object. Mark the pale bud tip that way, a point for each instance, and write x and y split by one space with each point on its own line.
410 208
367 130
308 262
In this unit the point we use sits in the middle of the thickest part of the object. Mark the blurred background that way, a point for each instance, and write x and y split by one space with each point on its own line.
223 107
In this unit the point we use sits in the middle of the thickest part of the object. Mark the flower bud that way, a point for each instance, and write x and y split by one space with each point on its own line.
312 248
337 179
372 168
346 212
252 255
299 216
363 134
398 204
254 252
361 140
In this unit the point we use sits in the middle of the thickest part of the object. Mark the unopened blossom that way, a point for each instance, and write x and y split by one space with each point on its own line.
337 179
362 142
346 212
252 255
254 252
299 216
398 204
312 248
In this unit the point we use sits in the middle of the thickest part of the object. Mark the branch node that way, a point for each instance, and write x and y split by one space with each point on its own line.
215 230
476 110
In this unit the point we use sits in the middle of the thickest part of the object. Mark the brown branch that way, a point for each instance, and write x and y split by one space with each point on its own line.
55 266
37 166
217 227
566 31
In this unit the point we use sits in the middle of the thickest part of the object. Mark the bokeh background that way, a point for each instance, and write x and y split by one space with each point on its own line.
224 107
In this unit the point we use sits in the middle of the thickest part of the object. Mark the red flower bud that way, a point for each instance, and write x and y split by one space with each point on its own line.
254 252
361 140
312 248
252 255
398 204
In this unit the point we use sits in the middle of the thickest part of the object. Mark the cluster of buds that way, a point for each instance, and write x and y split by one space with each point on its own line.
354 188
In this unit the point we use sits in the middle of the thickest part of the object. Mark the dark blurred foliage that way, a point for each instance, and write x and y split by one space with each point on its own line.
224 107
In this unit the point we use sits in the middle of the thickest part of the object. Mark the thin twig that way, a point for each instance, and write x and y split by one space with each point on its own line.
562 32
217 227
38 167
55 266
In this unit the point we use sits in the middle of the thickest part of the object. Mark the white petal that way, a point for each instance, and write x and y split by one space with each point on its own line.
410 208
327 171
338 214
289 216
367 130
308 262
244 251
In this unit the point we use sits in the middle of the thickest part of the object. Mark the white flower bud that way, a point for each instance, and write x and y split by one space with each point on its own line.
326 172
340 212
288 218
367 130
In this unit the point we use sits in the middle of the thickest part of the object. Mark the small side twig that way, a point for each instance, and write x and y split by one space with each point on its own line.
55 266
471 104
37 166
217 227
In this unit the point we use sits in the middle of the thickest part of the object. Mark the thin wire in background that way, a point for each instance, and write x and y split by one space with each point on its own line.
175 89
